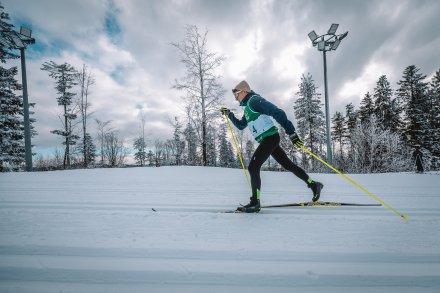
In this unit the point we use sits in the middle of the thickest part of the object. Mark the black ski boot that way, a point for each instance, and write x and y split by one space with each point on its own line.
316 188
252 207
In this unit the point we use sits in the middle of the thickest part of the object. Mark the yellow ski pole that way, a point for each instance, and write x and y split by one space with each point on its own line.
238 151
354 182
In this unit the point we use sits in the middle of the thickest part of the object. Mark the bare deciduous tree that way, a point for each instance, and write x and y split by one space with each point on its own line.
104 128
114 150
85 80
201 86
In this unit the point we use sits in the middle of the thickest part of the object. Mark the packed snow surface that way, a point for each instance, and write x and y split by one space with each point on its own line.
162 230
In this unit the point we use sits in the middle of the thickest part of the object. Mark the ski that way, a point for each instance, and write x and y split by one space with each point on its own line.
310 204
321 203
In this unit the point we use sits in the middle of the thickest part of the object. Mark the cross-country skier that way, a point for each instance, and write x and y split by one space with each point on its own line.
257 113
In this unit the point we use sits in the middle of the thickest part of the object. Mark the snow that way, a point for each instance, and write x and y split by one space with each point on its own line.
96 231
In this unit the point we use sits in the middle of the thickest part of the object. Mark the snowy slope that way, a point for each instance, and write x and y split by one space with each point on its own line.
96 231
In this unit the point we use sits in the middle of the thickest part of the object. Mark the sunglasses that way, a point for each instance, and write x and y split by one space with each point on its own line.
236 94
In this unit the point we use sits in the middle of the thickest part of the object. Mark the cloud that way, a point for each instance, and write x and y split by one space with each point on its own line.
126 44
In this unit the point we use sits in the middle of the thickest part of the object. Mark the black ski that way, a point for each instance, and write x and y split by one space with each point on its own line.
310 204
321 203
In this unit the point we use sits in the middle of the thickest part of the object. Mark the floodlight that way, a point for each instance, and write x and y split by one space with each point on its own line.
17 42
343 36
327 42
335 44
25 32
333 29
313 36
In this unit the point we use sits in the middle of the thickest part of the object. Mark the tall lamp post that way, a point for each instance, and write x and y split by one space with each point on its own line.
14 40
327 42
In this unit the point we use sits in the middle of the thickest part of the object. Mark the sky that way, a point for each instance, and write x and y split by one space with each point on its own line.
126 44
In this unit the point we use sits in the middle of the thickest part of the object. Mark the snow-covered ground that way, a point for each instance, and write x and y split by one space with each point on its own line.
96 231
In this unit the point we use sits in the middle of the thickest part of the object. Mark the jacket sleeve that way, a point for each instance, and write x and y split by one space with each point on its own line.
240 124
263 106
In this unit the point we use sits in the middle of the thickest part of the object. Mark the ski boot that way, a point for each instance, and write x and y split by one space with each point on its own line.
252 207
316 188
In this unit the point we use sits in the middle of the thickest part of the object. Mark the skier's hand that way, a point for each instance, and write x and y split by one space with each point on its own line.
294 138
225 111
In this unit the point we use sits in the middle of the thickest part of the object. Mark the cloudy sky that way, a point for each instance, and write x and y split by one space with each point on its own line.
126 45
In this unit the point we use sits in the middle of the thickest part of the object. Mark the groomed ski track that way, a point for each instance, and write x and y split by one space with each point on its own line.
96 231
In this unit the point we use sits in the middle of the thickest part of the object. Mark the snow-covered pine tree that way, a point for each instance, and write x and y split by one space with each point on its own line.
366 108
286 145
12 150
413 92
365 114
178 144
11 121
385 107
351 119
211 154
434 119
339 135
191 145
65 77
226 154
249 151
310 117
351 116
5 26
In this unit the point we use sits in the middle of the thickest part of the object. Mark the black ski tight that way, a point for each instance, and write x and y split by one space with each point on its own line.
271 146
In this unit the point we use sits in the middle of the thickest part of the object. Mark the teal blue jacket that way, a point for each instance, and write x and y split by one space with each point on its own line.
259 104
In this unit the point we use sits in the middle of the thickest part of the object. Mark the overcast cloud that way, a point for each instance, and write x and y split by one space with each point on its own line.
126 44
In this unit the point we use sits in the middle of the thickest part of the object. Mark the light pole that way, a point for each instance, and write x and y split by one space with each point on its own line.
14 40
327 42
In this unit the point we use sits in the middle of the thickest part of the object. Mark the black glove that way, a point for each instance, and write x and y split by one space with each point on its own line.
294 138
225 111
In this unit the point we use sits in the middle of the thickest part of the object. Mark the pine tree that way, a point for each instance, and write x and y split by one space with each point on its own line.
351 118
309 116
249 151
339 135
211 145
226 155
385 107
65 76
434 119
178 144
5 27
191 145
150 157
413 94
88 149
11 121
140 146
366 108
286 145
12 150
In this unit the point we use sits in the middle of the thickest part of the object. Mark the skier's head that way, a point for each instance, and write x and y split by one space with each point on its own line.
240 90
